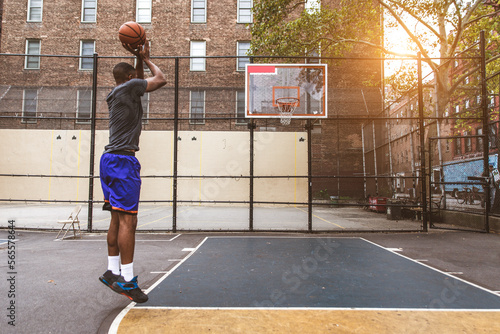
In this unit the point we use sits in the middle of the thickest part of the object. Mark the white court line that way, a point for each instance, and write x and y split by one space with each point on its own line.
7 241
113 329
137 240
428 266
178 235
318 309
395 249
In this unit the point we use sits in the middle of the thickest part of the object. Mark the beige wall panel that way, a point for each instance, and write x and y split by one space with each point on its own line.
66 152
156 158
279 154
214 153
46 152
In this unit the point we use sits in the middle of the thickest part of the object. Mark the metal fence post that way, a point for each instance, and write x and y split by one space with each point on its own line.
486 130
309 175
176 140
251 126
423 178
92 144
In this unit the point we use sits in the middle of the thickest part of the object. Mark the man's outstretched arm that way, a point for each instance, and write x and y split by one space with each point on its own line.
158 79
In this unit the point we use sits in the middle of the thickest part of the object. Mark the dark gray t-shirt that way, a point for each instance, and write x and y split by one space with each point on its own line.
125 115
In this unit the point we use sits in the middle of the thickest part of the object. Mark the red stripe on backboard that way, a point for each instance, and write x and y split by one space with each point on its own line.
261 69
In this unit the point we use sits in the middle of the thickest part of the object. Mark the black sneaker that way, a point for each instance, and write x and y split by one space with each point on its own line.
130 289
108 278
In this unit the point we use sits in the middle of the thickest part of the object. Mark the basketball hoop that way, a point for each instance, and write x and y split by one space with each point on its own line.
286 106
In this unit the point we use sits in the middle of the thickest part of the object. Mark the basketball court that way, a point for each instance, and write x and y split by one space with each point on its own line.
314 285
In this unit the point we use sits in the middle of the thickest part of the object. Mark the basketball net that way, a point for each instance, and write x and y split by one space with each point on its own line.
286 107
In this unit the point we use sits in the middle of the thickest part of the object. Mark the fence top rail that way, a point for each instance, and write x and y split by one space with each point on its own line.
236 57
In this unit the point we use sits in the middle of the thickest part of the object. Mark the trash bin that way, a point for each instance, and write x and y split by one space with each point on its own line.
394 210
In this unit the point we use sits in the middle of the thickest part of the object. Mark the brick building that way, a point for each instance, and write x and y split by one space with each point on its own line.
178 28
41 91
460 147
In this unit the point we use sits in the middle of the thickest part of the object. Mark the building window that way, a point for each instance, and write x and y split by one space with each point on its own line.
468 142
198 49
35 10
197 107
245 11
89 8
314 57
84 106
30 99
467 104
32 48
458 146
243 47
143 11
145 108
479 142
198 11
493 136
457 109
240 107
87 49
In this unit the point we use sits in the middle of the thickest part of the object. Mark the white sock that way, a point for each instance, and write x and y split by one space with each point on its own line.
128 271
114 264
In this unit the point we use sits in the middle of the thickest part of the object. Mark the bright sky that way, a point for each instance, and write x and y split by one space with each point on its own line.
396 39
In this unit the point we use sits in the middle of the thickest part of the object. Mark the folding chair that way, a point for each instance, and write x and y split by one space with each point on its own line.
71 221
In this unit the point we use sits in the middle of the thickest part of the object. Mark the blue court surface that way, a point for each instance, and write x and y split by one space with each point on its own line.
249 274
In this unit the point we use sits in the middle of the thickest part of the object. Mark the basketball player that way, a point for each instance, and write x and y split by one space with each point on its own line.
120 169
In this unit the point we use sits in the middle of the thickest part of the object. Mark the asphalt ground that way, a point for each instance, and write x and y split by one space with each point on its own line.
157 217
54 285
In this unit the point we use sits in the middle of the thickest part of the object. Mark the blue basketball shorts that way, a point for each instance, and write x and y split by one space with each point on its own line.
121 182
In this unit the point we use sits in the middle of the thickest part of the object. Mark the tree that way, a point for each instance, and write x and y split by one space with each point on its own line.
287 28
439 30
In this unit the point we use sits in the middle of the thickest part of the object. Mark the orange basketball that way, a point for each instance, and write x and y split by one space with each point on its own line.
132 33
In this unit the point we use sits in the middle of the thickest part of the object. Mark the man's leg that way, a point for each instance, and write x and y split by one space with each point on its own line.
127 284
113 272
126 236
112 238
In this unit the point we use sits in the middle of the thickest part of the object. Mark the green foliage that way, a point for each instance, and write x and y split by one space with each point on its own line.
286 28
323 194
